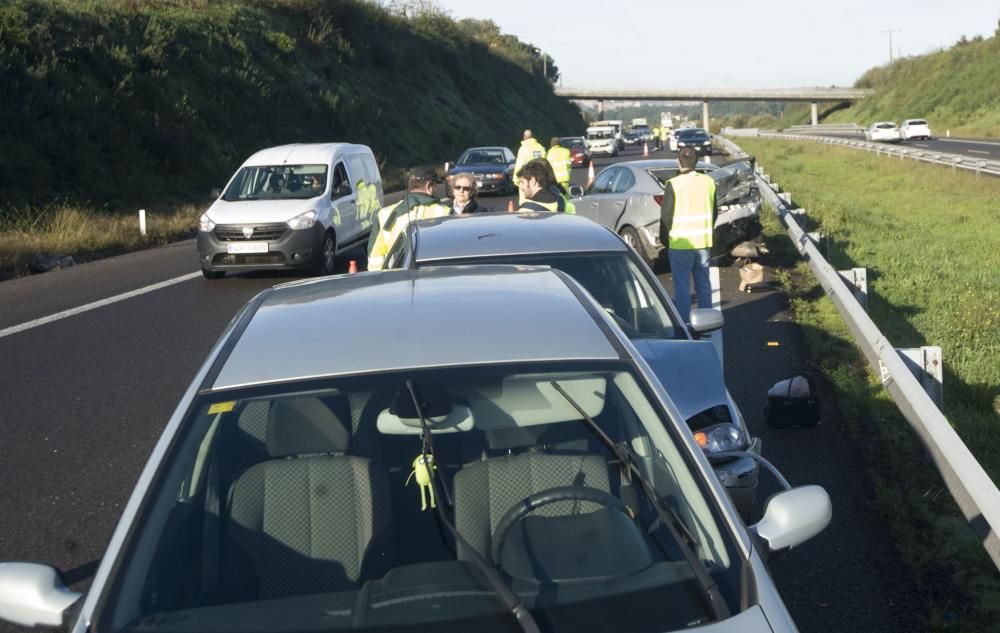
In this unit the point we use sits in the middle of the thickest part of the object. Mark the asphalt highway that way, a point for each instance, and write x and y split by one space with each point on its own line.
973 148
83 399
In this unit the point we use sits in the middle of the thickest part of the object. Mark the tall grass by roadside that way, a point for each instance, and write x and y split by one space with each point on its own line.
928 238
64 228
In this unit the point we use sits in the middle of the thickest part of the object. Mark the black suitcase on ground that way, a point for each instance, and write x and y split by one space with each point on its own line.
793 401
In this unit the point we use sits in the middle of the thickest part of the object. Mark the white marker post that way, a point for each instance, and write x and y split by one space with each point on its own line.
142 221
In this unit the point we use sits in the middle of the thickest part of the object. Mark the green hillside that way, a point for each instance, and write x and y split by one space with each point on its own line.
957 88
118 102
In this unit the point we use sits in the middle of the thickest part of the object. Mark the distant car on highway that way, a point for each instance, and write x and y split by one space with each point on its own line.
293 206
553 477
626 198
631 137
492 167
883 131
579 153
628 291
915 129
695 137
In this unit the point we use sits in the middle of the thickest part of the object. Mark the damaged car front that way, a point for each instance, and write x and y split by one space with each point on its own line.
626 197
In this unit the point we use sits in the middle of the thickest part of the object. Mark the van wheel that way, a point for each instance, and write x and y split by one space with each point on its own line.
213 274
327 260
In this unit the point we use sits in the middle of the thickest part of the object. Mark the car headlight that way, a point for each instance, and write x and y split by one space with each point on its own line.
720 438
493 176
205 223
304 221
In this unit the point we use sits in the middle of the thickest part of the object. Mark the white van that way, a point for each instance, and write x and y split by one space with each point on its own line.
293 206
600 139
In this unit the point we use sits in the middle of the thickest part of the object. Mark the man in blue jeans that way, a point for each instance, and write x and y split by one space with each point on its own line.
687 219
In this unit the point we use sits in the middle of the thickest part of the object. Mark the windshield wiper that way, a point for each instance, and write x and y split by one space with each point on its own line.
512 601
667 515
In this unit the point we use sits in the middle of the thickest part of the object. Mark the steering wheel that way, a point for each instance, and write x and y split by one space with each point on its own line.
529 504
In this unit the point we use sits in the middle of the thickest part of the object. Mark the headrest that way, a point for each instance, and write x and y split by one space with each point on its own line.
300 426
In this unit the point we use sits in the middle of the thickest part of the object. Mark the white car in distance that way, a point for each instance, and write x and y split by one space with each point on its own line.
915 129
885 131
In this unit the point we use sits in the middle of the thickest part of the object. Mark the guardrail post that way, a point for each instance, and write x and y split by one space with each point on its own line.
799 215
857 279
927 366
784 195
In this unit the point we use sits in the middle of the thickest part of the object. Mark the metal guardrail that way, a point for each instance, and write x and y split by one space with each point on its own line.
976 494
955 161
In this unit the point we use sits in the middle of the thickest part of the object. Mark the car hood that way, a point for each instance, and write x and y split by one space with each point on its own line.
689 371
258 211
735 182
477 169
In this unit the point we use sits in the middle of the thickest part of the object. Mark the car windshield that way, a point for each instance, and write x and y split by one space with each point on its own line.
277 182
613 279
306 507
692 134
916 122
885 126
572 143
482 157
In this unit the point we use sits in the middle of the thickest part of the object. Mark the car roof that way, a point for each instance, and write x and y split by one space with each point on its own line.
383 321
491 147
661 163
299 153
504 234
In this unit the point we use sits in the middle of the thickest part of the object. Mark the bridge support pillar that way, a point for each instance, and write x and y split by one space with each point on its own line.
600 110
815 114
704 115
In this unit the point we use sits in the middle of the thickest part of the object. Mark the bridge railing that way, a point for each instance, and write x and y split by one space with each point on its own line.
976 494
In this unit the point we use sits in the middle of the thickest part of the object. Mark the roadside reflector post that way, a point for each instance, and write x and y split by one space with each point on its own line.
142 221
857 279
927 366
447 165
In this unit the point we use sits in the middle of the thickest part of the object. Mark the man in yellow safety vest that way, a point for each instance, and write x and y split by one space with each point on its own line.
392 220
561 161
530 149
687 219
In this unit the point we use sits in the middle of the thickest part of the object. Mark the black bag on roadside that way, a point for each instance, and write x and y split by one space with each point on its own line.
793 401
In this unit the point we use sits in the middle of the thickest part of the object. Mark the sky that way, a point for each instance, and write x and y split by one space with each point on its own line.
639 44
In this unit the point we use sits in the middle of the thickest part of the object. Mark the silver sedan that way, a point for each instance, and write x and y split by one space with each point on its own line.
626 198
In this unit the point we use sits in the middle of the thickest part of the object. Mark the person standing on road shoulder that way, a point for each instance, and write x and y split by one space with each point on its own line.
391 220
539 189
687 219
562 162
530 149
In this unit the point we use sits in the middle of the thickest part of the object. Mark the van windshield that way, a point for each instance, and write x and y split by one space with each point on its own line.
277 182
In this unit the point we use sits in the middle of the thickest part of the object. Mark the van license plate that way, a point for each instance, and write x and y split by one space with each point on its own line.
247 247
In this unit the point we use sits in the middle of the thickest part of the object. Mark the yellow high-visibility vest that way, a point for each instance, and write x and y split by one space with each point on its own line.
385 238
562 163
692 223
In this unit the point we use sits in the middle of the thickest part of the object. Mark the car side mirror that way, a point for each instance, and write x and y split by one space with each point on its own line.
341 190
705 320
33 595
215 192
792 517
575 191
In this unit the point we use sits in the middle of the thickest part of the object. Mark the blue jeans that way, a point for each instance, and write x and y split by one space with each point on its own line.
684 264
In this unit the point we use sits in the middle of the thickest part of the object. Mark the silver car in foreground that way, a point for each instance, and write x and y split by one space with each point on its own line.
630 294
626 198
554 484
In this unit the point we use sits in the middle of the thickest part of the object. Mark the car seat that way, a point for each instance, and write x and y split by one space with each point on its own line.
309 519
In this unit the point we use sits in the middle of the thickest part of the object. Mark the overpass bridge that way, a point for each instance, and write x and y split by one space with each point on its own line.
812 95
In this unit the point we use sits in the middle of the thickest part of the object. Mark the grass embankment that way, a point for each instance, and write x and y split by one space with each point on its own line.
928 239
115 105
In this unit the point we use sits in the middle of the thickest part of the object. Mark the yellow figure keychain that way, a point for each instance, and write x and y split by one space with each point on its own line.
422 470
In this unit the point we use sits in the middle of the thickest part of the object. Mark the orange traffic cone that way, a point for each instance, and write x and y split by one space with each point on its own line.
352 266
645 150
510 206
590 173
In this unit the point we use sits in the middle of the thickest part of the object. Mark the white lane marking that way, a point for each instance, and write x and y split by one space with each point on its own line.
921 145
955 140
14 329
978 151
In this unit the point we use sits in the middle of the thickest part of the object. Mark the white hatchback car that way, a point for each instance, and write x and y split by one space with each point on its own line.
885 131
915 128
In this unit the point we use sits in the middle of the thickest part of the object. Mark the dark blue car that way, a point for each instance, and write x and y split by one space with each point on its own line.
492 167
